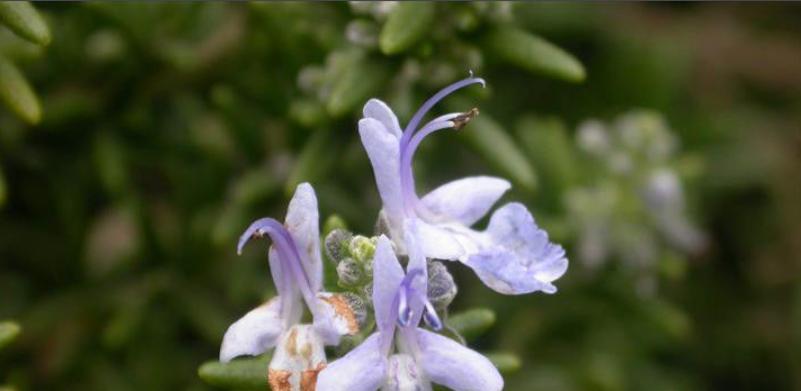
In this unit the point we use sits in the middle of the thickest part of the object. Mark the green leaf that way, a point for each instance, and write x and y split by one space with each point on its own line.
534 53
17 93
3 193
22 18
242 373
8 332
505 362
500 150
333 222
316 158
407 23
472 322
547 143
354 87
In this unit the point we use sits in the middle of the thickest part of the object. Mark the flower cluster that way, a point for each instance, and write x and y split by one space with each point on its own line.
511 256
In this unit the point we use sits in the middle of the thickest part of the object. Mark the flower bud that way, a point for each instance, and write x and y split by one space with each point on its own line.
361 248
441 287
350 273
336 243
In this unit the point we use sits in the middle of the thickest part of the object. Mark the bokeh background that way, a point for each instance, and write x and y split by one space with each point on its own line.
661 143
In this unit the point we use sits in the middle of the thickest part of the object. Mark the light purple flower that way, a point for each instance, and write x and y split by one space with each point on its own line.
400 355
297 272
512 256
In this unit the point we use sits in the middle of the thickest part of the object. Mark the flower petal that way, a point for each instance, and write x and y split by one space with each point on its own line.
465 200
404 374
362 369
375 108
387 277
518 256
453 365
298 359
447 241
254 333
303 223
288 293
383 149
335 318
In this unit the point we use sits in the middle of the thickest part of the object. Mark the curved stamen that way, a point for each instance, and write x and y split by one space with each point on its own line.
427 105
287 253
407 176
452 120
431 317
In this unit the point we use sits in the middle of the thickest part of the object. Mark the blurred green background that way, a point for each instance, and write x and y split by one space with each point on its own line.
661 143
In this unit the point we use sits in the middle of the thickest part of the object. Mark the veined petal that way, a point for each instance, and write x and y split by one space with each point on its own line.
303 223
383 149
362 369
254 333
375 108
288 293
387 277
403 374
465 200
335 318
418 268
450 241
518 256
452 365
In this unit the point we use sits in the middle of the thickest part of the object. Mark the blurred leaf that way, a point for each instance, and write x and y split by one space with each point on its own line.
472 322
109 159
8 332
22 18
3 193
407 23
550 148
500 150
316 158
242 373
354 87
17 93
333 222
505 362
534 53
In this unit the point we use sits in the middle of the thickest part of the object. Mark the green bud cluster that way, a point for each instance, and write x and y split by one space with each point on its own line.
353 257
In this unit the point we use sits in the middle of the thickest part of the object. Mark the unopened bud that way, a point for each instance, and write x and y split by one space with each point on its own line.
441 287
361 248
350 273
336 244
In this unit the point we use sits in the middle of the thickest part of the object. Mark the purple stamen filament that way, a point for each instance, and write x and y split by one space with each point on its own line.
405 293
288 254
412 137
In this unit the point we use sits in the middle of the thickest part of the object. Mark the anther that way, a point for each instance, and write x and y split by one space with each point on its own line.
462 119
